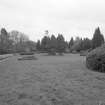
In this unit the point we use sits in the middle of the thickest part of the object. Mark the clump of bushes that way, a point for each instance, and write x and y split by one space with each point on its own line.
95 60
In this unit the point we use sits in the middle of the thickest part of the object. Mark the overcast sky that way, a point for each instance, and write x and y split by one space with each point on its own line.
69 17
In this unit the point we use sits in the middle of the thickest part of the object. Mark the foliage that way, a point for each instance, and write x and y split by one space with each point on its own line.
86 44
38 45
27 53
98 38
45 43
71 42
21 42
60 44
80 44
95 60
53 44
5 42
15 42
77 46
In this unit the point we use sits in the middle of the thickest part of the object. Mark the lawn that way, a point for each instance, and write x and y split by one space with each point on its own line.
50 80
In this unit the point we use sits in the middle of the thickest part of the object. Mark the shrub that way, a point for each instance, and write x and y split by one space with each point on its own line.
95 60
74 52
2 51
26 53
52 52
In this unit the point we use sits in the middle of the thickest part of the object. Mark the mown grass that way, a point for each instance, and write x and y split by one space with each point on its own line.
50 80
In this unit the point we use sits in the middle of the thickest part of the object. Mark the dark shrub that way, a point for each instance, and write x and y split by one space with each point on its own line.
95 60
61 54
52 52
74 52
27 53
2 51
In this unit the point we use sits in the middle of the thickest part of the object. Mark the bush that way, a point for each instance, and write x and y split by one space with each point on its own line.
26 53
52 52
95 60
74 52
3 52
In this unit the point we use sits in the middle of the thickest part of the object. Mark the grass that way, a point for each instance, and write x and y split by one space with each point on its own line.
2 57
50 80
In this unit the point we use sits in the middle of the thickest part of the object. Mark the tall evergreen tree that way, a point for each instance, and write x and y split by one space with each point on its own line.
60 44
98 38
45 43
77 45
4 41
53 42
4 36
38 45
86 44
71 42
53 45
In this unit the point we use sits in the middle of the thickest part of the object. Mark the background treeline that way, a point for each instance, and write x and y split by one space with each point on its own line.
16 42
52 44
58 44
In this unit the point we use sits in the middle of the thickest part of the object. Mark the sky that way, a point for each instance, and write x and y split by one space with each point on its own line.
69 17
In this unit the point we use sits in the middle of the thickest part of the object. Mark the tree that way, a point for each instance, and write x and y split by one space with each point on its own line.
60 44
71 42
67 44
98 38
86 44
18 37
5 42
53 45
19 40
4 36
45 43
38 45
29 46
77 45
